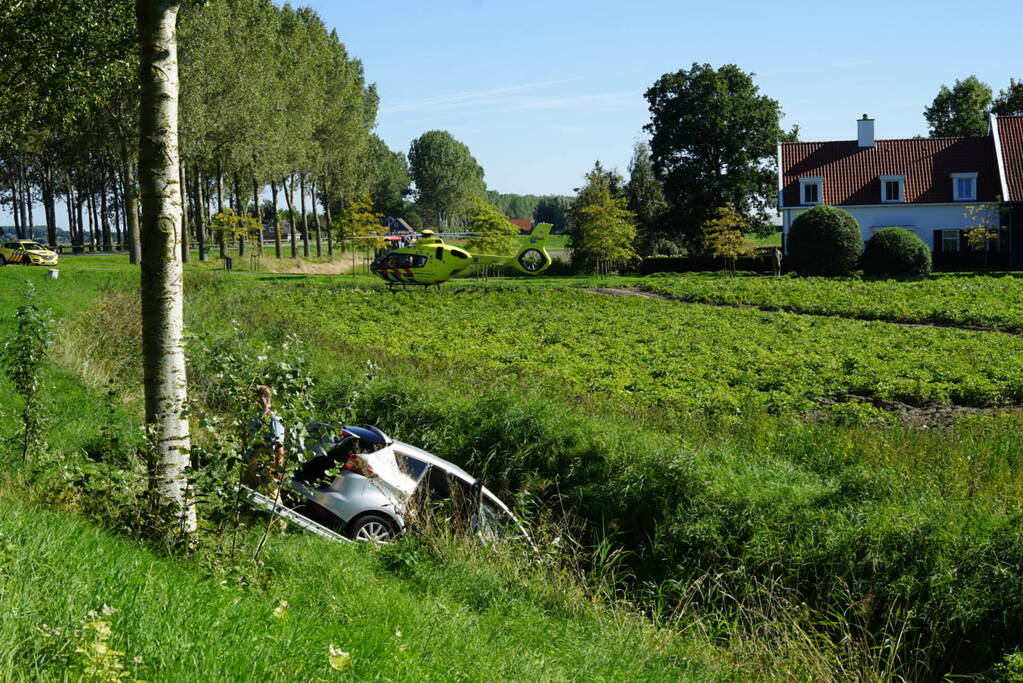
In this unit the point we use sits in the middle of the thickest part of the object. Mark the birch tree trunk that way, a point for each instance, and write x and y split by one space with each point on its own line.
163 351
184 213
221 239
316 219
277 220
48 205
131 206
199 204
103 217
90 211
330 228
16 211
289 197
305 218
26 224
80 219
259 214
69 205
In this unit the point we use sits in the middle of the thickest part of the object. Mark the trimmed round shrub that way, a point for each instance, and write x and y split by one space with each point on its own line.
894 251
824 240
663 247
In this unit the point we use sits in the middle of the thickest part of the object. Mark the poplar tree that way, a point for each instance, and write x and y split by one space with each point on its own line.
445 174
163 351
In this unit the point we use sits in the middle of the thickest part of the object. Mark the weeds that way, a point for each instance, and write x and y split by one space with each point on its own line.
21 360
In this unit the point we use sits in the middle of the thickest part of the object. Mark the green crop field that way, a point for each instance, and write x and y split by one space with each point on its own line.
750 476
654 353
966 299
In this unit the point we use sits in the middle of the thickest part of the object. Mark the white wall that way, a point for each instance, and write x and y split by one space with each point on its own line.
923 219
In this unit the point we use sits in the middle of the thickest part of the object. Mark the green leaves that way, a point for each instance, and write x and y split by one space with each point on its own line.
961 110
713 142
445 174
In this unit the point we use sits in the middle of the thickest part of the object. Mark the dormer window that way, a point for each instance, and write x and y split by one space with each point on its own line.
811 190
893 188
964 187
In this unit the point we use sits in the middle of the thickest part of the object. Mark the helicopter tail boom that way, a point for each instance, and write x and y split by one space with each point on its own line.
533 257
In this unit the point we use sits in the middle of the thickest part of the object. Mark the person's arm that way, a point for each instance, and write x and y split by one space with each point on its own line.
277 459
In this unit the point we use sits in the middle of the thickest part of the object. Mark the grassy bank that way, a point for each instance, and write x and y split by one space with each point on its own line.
175 621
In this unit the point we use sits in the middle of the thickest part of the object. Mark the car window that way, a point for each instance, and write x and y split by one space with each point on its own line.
10 245
494 521
32 246
443 498
411 467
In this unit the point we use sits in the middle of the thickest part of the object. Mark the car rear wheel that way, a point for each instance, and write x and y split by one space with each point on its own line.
371 528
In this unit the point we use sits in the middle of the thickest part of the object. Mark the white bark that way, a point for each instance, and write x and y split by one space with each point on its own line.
162 286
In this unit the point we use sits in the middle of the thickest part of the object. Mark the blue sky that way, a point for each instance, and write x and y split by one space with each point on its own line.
540 90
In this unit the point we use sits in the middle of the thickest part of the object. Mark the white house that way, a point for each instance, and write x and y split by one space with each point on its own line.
934 187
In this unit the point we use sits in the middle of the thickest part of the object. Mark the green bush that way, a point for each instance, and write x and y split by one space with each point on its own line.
894 251
825 240
664 247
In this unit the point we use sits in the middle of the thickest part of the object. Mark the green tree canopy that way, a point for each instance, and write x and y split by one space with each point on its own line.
713 143
390 183
514 205
445 173
722 235
1010 101
497 234
553 210
361 219
960 110
598 180
604 233
646 197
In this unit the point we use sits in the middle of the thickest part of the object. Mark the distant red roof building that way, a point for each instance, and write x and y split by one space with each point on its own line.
525 225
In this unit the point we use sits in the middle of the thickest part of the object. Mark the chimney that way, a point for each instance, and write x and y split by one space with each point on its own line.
865 132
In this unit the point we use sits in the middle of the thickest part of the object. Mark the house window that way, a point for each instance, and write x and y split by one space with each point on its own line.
949 241
964 187
810 190
893 188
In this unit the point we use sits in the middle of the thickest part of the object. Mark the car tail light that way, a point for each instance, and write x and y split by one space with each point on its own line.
354 463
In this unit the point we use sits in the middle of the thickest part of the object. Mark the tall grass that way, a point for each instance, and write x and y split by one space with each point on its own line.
466 623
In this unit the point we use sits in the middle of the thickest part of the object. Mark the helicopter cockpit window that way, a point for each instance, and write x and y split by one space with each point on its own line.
459 254
397 260
440 253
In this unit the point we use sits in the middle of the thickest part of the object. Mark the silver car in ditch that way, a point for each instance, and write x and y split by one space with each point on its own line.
370 487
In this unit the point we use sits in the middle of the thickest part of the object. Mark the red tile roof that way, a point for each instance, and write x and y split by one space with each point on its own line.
523 224
851 174
1010 135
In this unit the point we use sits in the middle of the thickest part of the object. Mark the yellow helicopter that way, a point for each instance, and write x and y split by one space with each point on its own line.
431 262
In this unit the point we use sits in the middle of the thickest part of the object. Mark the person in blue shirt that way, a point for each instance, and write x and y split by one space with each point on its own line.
265 452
